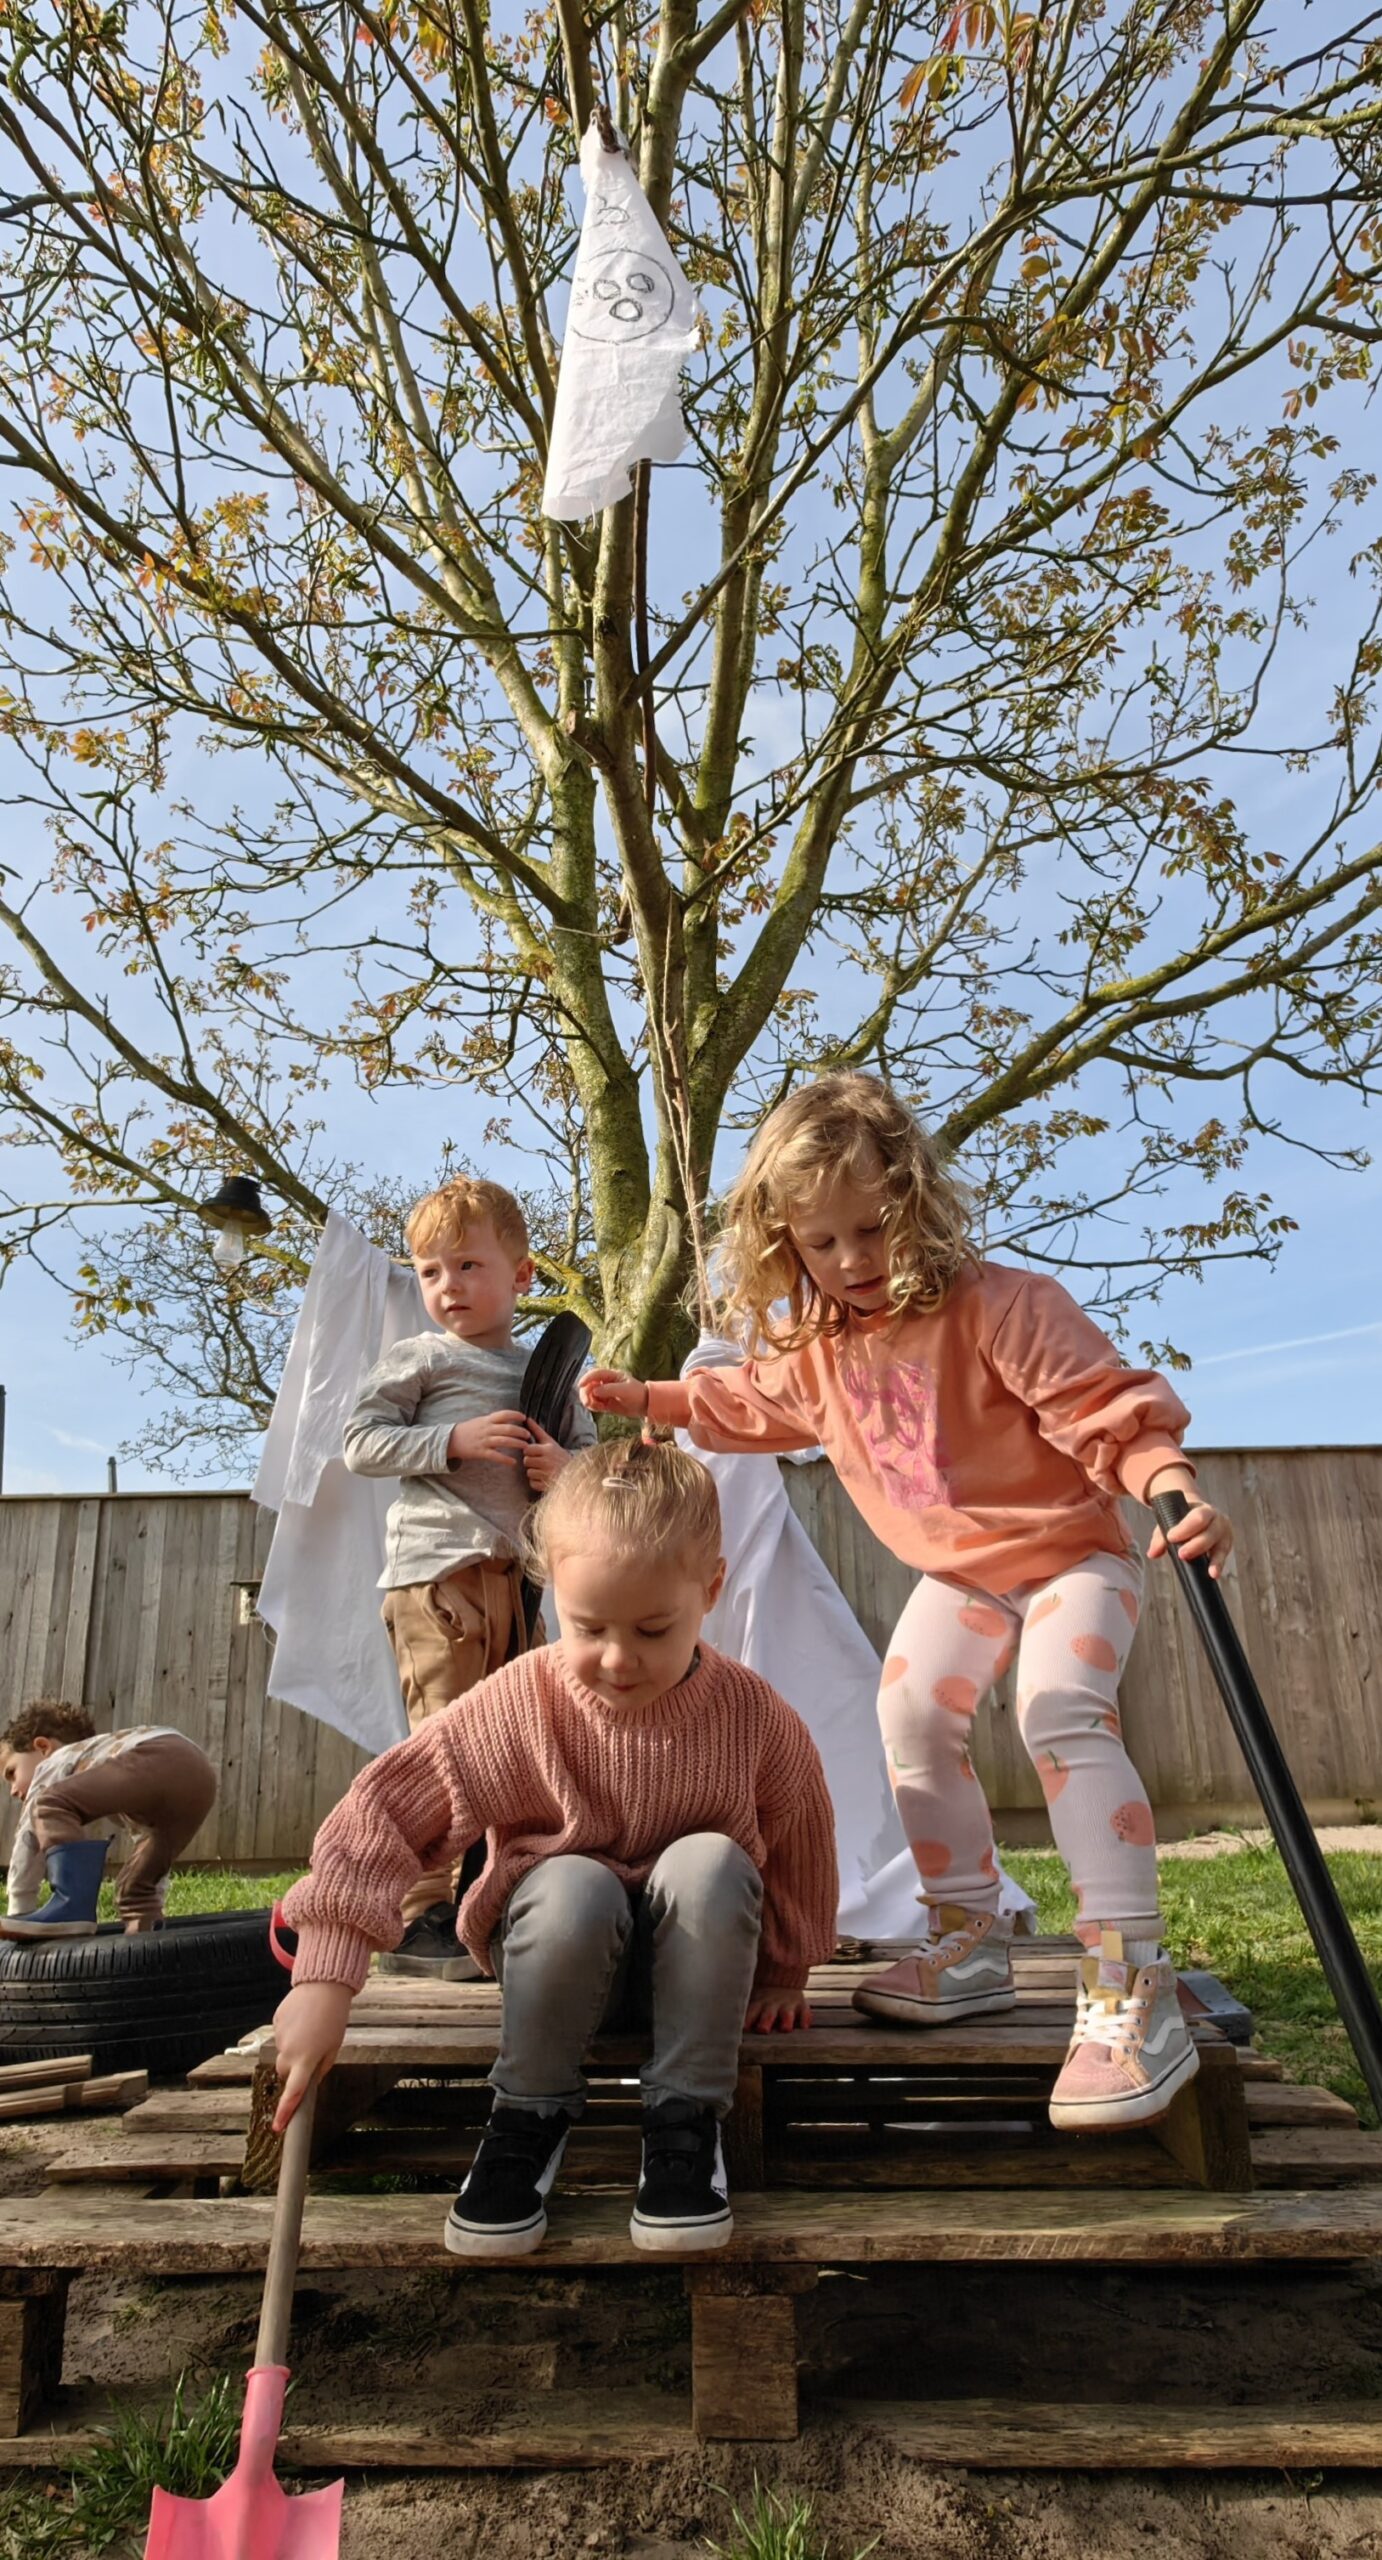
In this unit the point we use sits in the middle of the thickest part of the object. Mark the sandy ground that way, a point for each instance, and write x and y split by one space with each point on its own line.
436 2352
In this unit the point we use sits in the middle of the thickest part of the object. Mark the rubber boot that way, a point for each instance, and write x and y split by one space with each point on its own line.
75 1868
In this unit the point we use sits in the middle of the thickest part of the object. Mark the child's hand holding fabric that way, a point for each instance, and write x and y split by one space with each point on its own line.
309 2028
544 1460
495 1437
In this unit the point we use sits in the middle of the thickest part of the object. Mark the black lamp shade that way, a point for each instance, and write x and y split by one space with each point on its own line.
237 1204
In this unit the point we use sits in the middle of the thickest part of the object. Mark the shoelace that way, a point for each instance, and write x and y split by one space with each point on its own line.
1108 2015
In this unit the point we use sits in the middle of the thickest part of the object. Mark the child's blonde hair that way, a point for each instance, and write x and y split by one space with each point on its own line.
444 1217
842 1124
642 1498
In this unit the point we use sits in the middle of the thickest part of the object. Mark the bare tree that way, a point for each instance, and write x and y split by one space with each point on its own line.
981 533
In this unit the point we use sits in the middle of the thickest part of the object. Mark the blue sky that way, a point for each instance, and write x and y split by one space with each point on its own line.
1282 1356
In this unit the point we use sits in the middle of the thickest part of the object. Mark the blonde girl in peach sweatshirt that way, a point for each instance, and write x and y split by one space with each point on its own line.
986 1430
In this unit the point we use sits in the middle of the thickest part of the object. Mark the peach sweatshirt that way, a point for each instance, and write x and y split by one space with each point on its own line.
545 1769
988 1442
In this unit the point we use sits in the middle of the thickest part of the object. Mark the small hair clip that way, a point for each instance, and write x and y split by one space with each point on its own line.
615 1484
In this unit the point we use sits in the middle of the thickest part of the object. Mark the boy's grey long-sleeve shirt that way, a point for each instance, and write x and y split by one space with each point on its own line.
404 1415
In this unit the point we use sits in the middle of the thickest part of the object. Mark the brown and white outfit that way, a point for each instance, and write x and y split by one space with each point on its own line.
148 1777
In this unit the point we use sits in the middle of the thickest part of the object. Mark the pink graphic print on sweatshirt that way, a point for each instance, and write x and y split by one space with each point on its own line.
899 1424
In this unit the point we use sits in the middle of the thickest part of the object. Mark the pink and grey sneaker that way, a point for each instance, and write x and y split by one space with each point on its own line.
1131 2049
962 1969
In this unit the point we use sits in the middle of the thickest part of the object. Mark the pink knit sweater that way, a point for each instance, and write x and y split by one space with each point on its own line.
545 1769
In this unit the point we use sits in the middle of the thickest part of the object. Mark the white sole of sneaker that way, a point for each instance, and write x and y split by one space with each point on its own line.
678 2239
931 2013
1151 2103
466 2240
48 1929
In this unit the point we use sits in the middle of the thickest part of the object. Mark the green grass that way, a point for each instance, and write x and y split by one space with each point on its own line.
777 2528
214 1889
104 2505
1236 1916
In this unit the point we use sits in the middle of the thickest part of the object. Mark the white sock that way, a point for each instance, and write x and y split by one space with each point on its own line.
1140 1951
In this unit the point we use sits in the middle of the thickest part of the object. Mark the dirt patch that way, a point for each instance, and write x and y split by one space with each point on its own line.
861 2489
438 2351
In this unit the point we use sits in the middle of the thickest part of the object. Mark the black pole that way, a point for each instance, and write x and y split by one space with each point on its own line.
1341 1957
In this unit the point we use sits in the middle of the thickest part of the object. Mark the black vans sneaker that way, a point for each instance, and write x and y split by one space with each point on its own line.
430 1950
683 2193
501 2211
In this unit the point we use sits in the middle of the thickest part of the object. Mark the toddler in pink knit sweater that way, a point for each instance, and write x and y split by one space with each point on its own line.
661 1850
986 1430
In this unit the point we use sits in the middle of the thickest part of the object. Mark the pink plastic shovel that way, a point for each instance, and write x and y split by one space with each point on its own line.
250 2517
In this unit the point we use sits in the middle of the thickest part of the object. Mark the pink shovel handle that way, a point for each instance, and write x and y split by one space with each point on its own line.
260 2427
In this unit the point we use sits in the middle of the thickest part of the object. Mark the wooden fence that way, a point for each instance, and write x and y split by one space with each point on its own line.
143 1604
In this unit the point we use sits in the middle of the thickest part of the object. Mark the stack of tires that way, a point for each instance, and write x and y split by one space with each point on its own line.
159 2003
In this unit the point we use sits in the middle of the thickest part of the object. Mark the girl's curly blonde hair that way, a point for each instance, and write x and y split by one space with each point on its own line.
639 1497
842 1124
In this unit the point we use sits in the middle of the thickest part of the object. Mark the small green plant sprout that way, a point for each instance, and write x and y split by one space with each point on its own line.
778 2528
105 2507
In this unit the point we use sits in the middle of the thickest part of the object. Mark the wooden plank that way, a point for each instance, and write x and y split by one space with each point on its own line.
90 2228
234 2070
76 2097
1291 2105
81 1596
1080 2435
31 2339
1327 2156
554 2430
1205 2130
123 2158
19 2076
851 2042
743 2368
743 2131
214 2110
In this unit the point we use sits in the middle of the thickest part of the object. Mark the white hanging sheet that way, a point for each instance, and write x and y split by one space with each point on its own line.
632 323
331 1655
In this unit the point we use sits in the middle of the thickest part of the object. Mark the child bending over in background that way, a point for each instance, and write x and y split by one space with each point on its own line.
67 1775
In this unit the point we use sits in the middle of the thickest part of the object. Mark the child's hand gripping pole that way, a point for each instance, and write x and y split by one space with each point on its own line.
1340 1956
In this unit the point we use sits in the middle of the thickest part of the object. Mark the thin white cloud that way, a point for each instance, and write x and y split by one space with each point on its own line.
74 1440
1297 1342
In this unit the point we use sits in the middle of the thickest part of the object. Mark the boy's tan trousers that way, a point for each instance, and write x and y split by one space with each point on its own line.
447 1637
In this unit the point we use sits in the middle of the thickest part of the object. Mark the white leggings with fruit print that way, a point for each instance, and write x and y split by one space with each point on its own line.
1071 1636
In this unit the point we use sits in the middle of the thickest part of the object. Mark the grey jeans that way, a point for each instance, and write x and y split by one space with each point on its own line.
575 1950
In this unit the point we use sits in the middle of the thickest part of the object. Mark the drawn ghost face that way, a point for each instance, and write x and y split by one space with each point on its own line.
620 294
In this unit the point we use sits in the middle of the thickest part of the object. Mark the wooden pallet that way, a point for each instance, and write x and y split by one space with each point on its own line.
854 2145
851 2101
